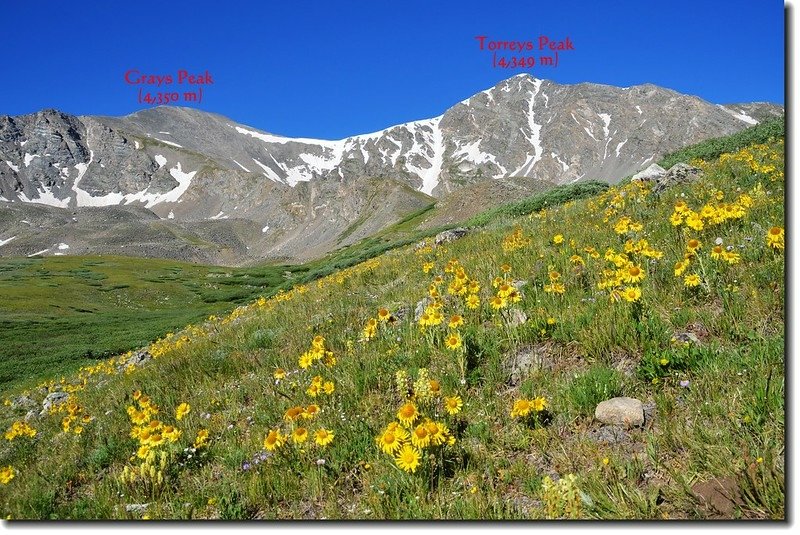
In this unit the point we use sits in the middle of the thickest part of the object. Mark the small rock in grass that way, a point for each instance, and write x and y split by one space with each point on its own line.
138 508
622 411
686 338
53 399
609 434
450 235
23 402
517 318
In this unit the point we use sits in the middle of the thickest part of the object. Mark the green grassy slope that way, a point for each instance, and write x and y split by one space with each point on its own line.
58 313
500 403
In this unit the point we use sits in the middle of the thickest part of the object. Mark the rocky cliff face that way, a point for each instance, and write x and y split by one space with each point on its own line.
297 198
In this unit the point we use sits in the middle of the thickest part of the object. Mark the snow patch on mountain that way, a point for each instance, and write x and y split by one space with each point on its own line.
533 137
739 115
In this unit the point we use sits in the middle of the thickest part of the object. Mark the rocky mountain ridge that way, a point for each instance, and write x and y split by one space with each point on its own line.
296 198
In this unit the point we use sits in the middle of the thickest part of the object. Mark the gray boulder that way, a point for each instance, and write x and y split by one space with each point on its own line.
679 173
622 411
653 172
450 235
53 399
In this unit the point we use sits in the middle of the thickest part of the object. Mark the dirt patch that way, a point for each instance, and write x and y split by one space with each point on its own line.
720 497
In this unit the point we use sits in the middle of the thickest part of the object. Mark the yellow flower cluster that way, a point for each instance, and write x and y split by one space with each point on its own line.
7 473
711 213
620 279
20 429
775 238
524 407
316 353
515 240
625 225
417 428
75 414
760 158
296 431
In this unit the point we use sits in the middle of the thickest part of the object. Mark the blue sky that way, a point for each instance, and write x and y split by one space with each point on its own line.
333 69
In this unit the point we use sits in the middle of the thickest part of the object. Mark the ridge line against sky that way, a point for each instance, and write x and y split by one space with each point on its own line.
331 70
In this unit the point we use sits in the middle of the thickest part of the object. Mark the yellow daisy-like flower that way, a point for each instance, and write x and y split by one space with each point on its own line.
558 239
292 413
438 432
731 257
693 245
274 440
498 302
408 459
522 407
323 437
389 442
453 404
306 360
690 281
171 433
473 302
139 417
328 387
554 276
310 412
384 314
505 268
681 266
318 342
775 238
300 435
453 342
632 294
313 390
143 452
551 321
455 321
407 413
473 287
716 252
7 473
633 274
420 437
201 439
156 440
556 288
279 374
539 404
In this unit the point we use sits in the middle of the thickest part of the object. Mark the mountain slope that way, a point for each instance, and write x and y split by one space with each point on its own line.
337 400
188 166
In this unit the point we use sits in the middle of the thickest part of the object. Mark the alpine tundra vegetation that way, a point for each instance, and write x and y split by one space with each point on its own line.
464 379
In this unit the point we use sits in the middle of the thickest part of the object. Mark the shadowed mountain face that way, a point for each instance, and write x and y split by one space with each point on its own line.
186 184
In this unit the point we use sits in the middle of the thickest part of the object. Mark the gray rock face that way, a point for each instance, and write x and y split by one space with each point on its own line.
653 172
450 235
516 317
679 173
622 411
53 399
518 364
609 434
686 338
23 402
257 195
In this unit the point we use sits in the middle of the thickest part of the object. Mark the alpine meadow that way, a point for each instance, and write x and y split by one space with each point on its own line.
587 351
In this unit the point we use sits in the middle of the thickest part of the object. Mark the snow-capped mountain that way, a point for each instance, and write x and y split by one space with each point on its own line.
187 166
